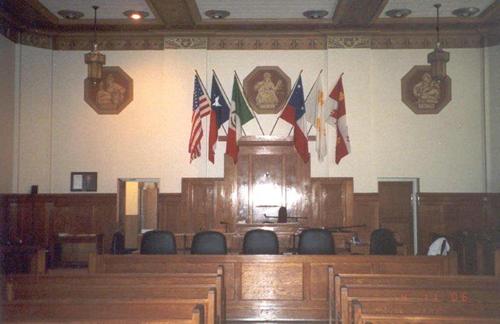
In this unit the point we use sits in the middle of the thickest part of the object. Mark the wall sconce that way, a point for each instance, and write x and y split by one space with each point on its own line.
95 60
438 58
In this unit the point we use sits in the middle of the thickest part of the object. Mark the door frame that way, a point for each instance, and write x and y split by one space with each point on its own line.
414 203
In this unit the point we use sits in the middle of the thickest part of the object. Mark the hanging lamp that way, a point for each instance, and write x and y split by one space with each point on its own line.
438 58
94 59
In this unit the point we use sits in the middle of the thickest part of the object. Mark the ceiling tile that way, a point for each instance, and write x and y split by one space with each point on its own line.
108 9
425 8
266 9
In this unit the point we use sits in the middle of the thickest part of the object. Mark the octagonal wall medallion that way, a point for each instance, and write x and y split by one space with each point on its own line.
111 94
266 89
423 94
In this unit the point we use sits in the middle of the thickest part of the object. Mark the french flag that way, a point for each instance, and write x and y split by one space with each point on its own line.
293 113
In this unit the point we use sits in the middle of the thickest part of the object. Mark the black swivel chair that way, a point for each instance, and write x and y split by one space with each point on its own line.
316 241
158 242
383 242
209 242
260 242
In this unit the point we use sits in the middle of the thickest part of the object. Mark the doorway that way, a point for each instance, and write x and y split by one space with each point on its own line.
137 208
398 209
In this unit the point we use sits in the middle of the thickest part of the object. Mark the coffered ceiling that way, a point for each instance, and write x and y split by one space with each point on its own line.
244 15
248 17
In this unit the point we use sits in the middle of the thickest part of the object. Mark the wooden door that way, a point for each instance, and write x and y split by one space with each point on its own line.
396 210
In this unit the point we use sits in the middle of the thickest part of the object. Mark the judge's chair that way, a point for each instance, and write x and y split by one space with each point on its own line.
260 241
383 242
209 242
158 242
316 241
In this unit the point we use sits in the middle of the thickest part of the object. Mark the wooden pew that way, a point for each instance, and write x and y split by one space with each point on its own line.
117 310
361 317
464 289
274 287
173 285
420 296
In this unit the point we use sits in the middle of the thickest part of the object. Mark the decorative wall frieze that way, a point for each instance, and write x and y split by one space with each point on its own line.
36 40
67 43
124 42
492 39
349 42
185 43
267 43
8 30
424 41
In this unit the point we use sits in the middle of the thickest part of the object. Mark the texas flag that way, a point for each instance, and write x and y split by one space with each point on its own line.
343 146
218 115
293 113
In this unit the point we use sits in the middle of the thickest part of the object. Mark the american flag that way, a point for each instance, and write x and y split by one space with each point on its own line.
201 108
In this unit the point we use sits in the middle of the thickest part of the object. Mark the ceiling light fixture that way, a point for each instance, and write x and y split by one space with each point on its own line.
136 15
70 14
465 12
398 13
94 59
438 58
217 14
315 14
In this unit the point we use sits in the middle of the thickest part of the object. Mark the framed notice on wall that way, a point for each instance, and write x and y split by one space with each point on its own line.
83 181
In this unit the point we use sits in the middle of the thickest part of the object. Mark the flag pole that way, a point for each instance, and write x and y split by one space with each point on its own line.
244 97
220 87
289 96
317 78
205 89
307 97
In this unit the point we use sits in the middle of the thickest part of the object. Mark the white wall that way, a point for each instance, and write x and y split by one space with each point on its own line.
7 113
492 78
34 128
429 147
60 133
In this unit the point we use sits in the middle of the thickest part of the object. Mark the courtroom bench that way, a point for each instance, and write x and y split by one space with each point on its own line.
361 317
112 286
466 290
105 310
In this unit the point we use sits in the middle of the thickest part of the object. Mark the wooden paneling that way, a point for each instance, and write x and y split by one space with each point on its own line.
4 228
332 202
448 213
258 281
201 198
493 210
269 174
366 212
170 212
36 219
